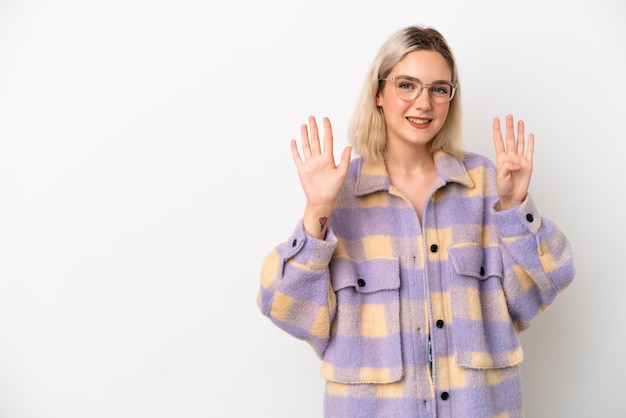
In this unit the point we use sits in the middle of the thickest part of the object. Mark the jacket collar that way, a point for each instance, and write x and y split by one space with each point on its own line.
373 177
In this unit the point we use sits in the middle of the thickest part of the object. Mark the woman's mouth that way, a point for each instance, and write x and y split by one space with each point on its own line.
419 123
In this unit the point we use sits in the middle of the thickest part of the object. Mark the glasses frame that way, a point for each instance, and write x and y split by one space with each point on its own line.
419 91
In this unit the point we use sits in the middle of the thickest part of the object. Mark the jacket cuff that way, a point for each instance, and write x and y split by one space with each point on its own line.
302 245
520 220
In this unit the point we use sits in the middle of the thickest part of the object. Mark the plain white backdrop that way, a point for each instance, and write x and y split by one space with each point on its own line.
145 172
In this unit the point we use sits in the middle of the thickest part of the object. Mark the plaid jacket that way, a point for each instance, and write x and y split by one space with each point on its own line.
383 294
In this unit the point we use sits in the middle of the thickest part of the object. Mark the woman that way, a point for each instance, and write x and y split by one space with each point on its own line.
415 265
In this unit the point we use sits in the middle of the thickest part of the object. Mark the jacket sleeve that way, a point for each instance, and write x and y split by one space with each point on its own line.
296 292
537 258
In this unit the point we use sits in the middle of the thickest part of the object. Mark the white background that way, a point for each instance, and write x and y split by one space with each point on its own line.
145 172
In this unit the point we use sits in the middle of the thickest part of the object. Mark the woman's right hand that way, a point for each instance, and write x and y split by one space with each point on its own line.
320 177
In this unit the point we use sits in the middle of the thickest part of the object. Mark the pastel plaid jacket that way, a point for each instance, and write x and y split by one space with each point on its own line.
383 293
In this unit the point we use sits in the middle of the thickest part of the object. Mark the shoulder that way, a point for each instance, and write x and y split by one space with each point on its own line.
355 168
481 170
473 160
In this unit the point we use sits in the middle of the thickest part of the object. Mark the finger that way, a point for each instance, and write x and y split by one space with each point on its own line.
503 171
295 154
345 159
328 136
510 135
520 138
315 136
306 147
506 169
530 149
497 136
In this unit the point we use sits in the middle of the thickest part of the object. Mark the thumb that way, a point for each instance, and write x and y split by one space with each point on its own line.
345 158
506 169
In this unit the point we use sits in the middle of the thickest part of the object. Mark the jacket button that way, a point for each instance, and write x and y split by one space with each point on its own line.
440 323
434 248
482 271
361 282
445 396
530 217
294 243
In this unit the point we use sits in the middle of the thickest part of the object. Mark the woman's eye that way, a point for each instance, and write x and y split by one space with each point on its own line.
404 85
440 89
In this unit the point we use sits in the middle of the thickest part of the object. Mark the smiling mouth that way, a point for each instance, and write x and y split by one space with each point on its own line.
419 121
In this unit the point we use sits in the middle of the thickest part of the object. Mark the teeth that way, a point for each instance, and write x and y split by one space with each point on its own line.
418 121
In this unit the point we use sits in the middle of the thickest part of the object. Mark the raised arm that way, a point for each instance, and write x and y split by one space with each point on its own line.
514 163
320 177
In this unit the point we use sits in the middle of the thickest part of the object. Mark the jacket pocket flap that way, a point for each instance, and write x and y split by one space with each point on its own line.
475 261
366 276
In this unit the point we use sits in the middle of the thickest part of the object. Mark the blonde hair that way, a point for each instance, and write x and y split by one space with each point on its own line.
367 130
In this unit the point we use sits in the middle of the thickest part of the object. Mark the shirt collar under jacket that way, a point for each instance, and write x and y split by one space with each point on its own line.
373 177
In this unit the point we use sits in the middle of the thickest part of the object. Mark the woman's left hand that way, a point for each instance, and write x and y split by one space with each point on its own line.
514 163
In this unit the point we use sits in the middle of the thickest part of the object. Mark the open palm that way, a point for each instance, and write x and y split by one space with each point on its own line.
514 162
320 177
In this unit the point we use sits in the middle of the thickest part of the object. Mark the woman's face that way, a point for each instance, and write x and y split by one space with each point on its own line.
415 121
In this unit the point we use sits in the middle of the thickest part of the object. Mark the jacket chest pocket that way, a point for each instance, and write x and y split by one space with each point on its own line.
365 334
484 334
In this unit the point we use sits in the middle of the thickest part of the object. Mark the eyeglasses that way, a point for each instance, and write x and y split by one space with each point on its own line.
410 89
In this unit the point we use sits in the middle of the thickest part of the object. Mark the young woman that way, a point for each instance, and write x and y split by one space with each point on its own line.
415 265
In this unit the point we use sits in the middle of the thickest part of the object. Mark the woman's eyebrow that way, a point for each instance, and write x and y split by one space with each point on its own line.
408 77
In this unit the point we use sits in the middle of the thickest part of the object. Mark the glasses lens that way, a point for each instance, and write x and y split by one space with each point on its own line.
407 89
441 92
